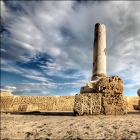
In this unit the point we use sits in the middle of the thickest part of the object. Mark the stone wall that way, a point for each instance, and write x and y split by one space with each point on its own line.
6 99
40 103
5 102
48 103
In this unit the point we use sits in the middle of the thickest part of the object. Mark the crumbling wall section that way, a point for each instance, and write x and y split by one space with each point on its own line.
37 103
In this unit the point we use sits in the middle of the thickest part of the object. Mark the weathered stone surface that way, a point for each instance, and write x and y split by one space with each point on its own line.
6 99
138 92
90 86
98 104
6 102
37 103
110 85
87 89
110 91
47 103
5 93
114 105
88 104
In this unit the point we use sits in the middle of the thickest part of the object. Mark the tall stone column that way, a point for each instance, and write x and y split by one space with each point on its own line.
101 95
99 57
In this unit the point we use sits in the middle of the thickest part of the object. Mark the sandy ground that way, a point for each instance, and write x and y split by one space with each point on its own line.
55 126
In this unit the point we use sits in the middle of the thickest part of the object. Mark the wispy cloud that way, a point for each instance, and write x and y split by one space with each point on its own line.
132 86
13 68
30 88
36 78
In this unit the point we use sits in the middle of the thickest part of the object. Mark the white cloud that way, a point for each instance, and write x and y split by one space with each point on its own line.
73 93
76 84
30 88
5 13
10 87
36 78
13 68
67 36
10 67
115 64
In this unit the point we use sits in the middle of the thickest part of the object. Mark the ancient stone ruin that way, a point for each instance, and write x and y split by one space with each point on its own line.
138 92
10 102
137 107
101 95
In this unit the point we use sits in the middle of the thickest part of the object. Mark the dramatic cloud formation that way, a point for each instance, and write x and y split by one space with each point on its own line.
47 46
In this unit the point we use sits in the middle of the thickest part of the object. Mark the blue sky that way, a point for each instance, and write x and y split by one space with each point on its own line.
47 46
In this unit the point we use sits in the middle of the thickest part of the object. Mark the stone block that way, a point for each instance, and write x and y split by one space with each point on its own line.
87 89
22 107
98 104
114 105
87 104
110 85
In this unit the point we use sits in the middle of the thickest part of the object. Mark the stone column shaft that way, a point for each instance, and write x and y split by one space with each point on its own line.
99 57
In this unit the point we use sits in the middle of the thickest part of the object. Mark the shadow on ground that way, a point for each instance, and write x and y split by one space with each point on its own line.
55 113
50 113
134 112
